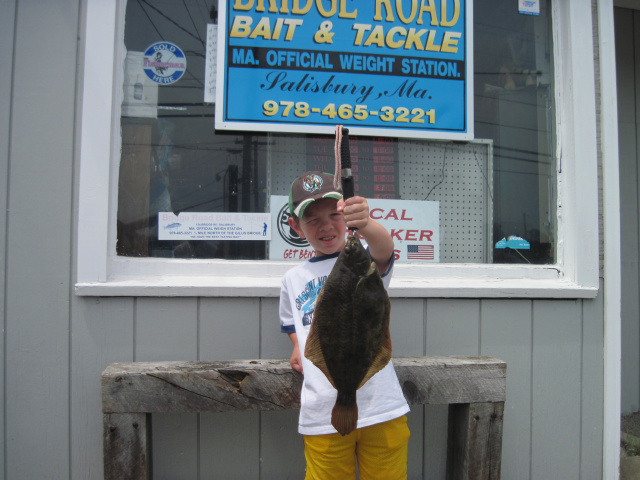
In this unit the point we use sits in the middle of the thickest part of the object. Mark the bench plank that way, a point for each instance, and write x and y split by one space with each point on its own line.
161 387
474 388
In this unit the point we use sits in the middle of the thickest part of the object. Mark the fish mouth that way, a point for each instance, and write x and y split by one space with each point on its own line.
352 243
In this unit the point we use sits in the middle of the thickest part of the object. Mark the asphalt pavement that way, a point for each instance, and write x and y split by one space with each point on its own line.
630 447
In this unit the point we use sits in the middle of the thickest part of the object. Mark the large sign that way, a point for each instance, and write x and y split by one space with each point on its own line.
381 67
414 227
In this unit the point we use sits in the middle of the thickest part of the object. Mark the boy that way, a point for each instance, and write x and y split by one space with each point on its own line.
380 443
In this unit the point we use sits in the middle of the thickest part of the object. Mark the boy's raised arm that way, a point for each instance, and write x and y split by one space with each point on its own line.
356 215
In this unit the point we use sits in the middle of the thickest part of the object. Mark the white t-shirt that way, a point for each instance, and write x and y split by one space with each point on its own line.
379 400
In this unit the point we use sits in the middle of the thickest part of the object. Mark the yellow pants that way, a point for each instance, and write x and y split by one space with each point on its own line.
381 452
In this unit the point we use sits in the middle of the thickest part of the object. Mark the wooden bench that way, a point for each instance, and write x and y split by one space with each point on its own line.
474 388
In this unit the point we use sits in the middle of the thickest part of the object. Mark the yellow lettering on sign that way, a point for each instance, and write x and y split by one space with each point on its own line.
456 14
377 16
238 5
409 19
376 37
241 26
343 11
282 6
263 29
360 28
430 45
413 38
426 7
400 37
431 10
450 42
391 41
301 11
323 12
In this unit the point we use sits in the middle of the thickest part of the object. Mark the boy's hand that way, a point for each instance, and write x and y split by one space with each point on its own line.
296 360
356 212
356 215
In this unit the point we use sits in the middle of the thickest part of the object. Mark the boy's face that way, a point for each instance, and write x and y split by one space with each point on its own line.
323 226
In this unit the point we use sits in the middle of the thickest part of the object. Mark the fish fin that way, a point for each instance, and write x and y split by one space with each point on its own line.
313 351
366 285
344 418
382 359
384 354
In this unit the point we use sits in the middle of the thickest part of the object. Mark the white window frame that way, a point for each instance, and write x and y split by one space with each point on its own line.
101 272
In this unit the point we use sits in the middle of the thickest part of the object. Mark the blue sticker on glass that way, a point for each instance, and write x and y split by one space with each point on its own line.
164 63
514 242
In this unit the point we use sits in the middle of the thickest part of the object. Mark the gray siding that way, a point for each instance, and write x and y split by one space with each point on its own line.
553 348
37 280
55 344
627 24
7 15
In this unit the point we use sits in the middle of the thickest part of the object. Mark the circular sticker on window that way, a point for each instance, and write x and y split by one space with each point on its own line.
287 233
164 63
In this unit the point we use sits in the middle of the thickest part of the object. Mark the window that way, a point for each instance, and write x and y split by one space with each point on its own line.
166 158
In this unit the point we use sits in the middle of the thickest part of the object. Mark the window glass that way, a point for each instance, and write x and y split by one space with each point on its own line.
495 196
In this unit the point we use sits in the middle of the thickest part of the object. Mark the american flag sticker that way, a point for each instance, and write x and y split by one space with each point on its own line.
420 252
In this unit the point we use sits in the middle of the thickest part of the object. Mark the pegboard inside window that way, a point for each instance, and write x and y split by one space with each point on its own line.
456 175
459 177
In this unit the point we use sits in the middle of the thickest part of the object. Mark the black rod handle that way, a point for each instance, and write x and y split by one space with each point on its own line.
345 157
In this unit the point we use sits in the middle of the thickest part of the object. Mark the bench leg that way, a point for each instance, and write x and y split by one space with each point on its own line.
126 443
474 444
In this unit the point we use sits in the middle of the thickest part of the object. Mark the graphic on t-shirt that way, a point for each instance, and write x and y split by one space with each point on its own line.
306 300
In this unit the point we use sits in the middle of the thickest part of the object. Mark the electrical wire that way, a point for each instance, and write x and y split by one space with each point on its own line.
192 22
444 161
483 174
161 13
151 21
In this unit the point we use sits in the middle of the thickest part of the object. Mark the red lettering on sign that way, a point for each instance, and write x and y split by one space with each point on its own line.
392 214
411 235
426 235
379 214
374 213
396 233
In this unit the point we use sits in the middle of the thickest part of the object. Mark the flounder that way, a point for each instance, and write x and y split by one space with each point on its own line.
349 340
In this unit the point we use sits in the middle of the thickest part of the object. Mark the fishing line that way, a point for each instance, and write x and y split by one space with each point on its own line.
337 177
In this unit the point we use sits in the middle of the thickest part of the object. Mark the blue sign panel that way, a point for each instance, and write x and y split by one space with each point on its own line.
379 67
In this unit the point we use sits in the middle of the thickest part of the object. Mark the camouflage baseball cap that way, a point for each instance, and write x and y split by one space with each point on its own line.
308 187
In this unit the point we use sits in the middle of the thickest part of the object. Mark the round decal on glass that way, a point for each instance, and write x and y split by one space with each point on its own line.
164 63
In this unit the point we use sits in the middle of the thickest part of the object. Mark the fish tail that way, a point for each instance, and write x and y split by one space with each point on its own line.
344 417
